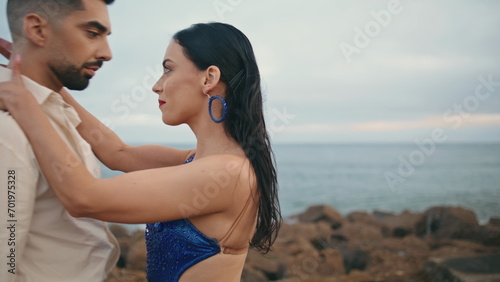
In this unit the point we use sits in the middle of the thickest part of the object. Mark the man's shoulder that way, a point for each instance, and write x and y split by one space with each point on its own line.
4 74
39 91
11 134
15 148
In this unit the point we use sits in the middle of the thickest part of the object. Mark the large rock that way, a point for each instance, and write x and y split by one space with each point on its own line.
300 237
495 221
358 232
323 246
325 263
364 218
309 231
293 246
483 268
125 240
271 266
394 256
122 235
251 275
379 215
400 225
455 248
322 213
448 222
392 225
354 258
488 235
123 275
331 262
356 276
119 231
302 250
136 256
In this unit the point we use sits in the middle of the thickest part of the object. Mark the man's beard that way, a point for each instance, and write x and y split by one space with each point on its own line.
71 76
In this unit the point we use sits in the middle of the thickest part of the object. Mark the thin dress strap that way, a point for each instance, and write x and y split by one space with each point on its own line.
228 250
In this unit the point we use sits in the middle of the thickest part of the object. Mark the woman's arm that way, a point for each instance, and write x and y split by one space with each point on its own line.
209 185
117 155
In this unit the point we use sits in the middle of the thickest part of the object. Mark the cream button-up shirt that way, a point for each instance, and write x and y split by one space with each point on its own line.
39 240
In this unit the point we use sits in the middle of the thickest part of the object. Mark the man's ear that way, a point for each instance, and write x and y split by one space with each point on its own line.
211 78
35 29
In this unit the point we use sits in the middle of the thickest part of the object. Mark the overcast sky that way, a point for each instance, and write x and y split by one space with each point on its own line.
333 71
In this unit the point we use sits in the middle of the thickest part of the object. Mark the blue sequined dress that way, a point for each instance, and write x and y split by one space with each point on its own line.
174 246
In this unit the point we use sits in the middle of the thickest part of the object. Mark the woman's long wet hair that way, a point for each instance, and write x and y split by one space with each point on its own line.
226 47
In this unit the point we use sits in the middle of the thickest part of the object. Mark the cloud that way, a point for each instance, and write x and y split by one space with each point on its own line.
400 84
430 122
479 120
423 62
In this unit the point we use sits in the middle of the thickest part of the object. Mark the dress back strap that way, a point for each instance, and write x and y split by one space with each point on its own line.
227 250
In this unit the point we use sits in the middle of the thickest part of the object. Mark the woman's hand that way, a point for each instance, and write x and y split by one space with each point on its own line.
14 96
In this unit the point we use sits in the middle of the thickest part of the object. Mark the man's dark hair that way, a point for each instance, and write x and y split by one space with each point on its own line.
48 9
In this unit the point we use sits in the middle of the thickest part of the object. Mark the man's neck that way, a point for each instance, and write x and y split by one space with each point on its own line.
37 70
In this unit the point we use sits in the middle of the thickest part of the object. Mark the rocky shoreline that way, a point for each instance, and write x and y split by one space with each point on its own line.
322 245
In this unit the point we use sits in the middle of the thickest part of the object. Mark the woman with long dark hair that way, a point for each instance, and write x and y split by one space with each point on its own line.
203 207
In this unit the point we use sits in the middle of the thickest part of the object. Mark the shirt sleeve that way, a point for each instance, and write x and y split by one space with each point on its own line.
18 180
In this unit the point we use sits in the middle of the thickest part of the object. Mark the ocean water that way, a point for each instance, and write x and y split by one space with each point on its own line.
390 177
387 177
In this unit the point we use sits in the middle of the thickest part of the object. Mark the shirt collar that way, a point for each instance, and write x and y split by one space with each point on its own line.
41 93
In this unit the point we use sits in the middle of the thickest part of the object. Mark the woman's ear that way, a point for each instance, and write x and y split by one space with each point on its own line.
35 29
211 78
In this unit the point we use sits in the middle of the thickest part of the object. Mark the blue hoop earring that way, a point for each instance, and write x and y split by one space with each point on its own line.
224 108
